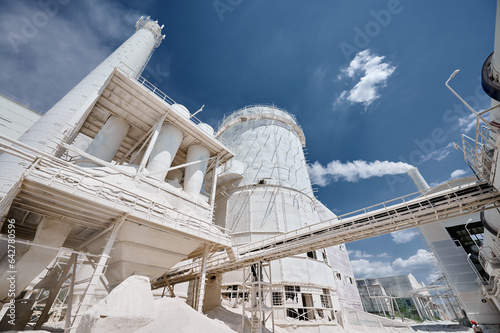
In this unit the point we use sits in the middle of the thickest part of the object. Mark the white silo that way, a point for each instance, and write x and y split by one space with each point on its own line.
267 192
60 123
58 126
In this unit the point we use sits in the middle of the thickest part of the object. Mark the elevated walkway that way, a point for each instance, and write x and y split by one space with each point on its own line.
405 212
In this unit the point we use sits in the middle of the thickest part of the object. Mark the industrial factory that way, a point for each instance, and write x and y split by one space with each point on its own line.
118 182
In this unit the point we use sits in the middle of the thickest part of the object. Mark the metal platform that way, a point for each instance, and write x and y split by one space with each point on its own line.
402 213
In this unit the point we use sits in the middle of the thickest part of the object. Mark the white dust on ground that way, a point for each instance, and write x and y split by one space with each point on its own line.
130 307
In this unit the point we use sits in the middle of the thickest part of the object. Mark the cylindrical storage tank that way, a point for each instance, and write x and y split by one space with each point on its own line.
206 128
274 196
181 110
166 146
108 140
174 177
63 118
195 173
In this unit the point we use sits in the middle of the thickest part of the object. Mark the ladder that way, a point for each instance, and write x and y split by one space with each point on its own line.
100 268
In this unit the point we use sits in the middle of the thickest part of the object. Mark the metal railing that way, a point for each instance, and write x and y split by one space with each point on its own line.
130 73
250 109
356 317
405 212
479 152
51 170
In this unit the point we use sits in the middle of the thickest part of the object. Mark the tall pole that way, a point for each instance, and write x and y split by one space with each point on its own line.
61 123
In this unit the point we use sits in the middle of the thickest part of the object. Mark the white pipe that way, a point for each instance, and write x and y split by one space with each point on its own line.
417 178
152 142
164 150
50 232
195 173
108 140
65 116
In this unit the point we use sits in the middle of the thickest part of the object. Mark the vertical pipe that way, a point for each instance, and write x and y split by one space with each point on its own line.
69 308
164 150
214 185
203 278
62 120
151 144
195 173
108 140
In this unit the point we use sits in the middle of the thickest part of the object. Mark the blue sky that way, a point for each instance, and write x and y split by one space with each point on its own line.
365 80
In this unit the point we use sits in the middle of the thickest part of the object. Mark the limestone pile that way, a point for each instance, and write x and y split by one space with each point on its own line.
130 307
127 308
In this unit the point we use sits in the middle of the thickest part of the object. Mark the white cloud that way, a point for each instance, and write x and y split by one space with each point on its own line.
353 171
373 75
458 173
467 123
359 254
403 236
440 154
433 277
422 259
46 51
421 262
454 175
363 269
364 255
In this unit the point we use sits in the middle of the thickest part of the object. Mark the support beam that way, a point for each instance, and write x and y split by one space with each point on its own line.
54 292
214 188
417 307
69 308
203 278
99 271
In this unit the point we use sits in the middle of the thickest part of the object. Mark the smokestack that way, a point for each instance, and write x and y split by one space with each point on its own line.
62 120
417 178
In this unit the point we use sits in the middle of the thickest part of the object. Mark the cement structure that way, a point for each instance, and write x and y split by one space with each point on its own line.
103 202
265 191
130 202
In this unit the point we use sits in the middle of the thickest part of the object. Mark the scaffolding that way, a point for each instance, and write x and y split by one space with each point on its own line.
257 284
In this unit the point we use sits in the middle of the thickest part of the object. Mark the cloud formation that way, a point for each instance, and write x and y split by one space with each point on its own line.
46 50
363 255
421 262
404 236
458 173
353 171
372 74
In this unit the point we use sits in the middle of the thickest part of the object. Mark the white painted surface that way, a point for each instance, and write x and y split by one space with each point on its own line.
61 120
274 194
15 118
195 173
417 178
108 140
166 146
50 232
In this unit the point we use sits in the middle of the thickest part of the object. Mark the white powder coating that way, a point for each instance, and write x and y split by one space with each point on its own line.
173 315
269 142
127 308
58 124
275 194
